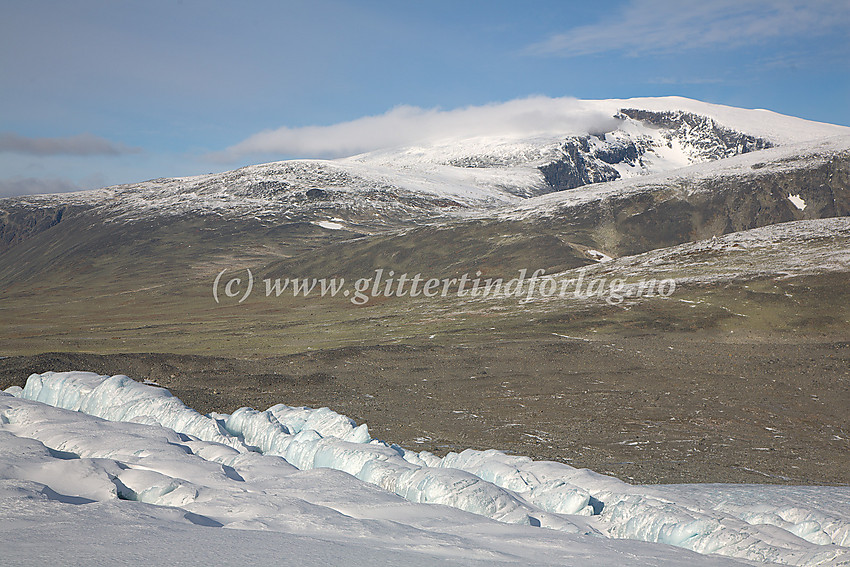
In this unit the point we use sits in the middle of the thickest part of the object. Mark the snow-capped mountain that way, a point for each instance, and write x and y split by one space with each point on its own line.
448 176
747 211
651 173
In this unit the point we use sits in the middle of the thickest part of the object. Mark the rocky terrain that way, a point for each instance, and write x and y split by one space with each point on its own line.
746 362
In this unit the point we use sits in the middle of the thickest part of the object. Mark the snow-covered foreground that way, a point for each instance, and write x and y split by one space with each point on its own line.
98 469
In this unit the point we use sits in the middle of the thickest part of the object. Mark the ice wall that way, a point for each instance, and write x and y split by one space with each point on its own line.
507 488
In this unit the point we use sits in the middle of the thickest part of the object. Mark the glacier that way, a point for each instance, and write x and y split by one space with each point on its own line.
85 440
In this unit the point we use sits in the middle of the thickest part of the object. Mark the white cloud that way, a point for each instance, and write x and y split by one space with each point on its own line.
409 125
653 26
79 145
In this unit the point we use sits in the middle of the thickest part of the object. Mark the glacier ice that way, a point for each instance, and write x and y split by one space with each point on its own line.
120 398
265 446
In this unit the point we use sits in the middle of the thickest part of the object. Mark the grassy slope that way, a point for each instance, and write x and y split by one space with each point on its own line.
749 354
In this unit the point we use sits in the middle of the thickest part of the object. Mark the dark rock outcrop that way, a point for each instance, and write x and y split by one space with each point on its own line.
577 166
581 162
712 140
316 194
672 213
19 221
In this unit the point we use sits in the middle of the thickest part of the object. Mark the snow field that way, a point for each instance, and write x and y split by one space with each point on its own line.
247 470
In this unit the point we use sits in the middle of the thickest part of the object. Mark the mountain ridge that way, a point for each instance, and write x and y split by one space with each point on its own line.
421 206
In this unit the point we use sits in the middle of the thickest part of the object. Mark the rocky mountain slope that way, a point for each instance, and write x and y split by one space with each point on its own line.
666 171
746 211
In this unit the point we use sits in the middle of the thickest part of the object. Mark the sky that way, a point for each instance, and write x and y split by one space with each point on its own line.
100 93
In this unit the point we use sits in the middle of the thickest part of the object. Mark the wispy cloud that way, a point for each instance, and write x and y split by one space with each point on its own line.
409 125
684 81
665 26
79 145
34 186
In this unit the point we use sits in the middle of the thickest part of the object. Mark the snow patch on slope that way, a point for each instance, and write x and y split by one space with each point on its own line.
797 201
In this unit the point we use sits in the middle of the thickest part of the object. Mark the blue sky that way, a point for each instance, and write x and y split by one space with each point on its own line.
98 93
